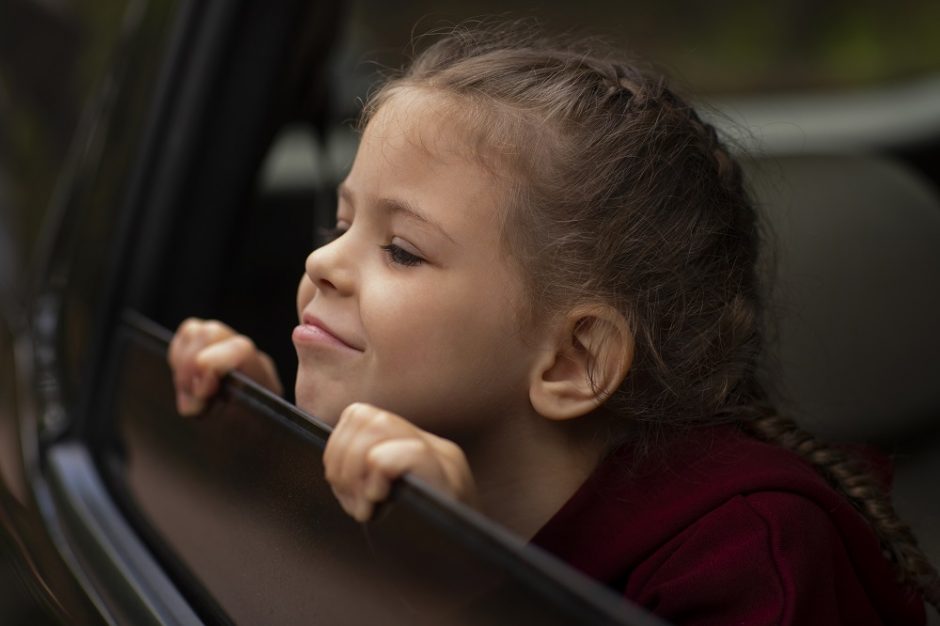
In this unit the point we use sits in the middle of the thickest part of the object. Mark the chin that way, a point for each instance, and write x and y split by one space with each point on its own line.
315 404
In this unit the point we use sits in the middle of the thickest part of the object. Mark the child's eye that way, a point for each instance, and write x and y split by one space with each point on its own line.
400 256
328 235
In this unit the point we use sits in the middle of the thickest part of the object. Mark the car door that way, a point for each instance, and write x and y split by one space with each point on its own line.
150 518
73 80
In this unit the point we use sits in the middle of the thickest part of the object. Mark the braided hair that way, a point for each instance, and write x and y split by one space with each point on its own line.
620 191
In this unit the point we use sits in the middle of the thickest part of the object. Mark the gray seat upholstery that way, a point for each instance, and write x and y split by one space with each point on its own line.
857 297
857 293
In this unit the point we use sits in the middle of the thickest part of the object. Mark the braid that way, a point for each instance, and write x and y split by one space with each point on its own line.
849 477
727 167
840 468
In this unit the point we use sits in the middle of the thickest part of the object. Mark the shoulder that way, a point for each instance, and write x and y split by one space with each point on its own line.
663 499
763 558
730 530
771 558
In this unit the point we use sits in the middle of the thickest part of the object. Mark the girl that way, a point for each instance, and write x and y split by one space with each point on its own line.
542 299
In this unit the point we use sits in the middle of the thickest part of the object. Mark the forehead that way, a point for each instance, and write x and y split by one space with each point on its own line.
420 147
447 127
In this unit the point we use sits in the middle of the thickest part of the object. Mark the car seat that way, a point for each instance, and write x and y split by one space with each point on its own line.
856 343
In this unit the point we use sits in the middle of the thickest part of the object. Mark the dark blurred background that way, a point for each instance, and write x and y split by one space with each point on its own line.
55 57
730 47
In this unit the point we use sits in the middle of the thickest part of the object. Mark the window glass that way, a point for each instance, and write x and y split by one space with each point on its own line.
237 506
95 196
53 56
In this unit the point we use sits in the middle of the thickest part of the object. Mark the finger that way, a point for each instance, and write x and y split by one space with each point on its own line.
181 337
346 501
370 468
356 507
337 442
377 486
225 355
388 461
363 510
265 372
192 337
180 351
437 462
188 405
347 429
200 380
194 383
373 427
392 459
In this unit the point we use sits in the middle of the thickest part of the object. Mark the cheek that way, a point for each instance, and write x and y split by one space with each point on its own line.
397 317
444 330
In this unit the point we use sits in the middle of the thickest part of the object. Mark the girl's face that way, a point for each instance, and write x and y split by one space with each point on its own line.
413 308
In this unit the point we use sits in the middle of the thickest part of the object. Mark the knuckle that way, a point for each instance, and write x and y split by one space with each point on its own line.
190 326
330 471
373 460
243 343
358 412
185 324
214 328
381 420
451 449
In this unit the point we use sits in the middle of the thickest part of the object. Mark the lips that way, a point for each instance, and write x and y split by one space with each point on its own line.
313 330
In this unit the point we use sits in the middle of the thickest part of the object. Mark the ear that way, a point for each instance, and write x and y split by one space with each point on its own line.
588 353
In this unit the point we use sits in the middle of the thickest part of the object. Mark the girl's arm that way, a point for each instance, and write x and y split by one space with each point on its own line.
203 351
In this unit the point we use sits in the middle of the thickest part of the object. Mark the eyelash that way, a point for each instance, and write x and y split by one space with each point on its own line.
400 256
396 254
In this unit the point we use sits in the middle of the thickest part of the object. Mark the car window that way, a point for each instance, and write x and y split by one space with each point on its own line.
70 47
119 81
237 504
230 516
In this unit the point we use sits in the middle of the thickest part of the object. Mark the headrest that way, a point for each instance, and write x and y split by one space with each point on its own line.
856 295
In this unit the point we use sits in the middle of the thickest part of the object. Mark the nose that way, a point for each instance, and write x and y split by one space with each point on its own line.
329 268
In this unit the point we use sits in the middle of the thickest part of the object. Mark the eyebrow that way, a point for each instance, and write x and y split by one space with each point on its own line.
394 205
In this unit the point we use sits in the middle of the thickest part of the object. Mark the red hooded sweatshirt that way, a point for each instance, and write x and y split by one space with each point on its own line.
724 529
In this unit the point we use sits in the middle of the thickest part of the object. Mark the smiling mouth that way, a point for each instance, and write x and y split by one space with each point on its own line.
312 331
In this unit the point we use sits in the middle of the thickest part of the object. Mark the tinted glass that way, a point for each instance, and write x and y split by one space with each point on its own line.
53 57
237 504
86 243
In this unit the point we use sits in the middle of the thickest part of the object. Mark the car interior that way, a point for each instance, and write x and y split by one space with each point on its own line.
855 240
241 144
229 518
854 355
857 352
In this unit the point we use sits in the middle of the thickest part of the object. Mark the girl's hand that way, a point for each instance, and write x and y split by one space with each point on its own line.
370 448
203 351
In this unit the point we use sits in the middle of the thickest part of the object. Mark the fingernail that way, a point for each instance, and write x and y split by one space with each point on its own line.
180 402
364 511
187 405
374 489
